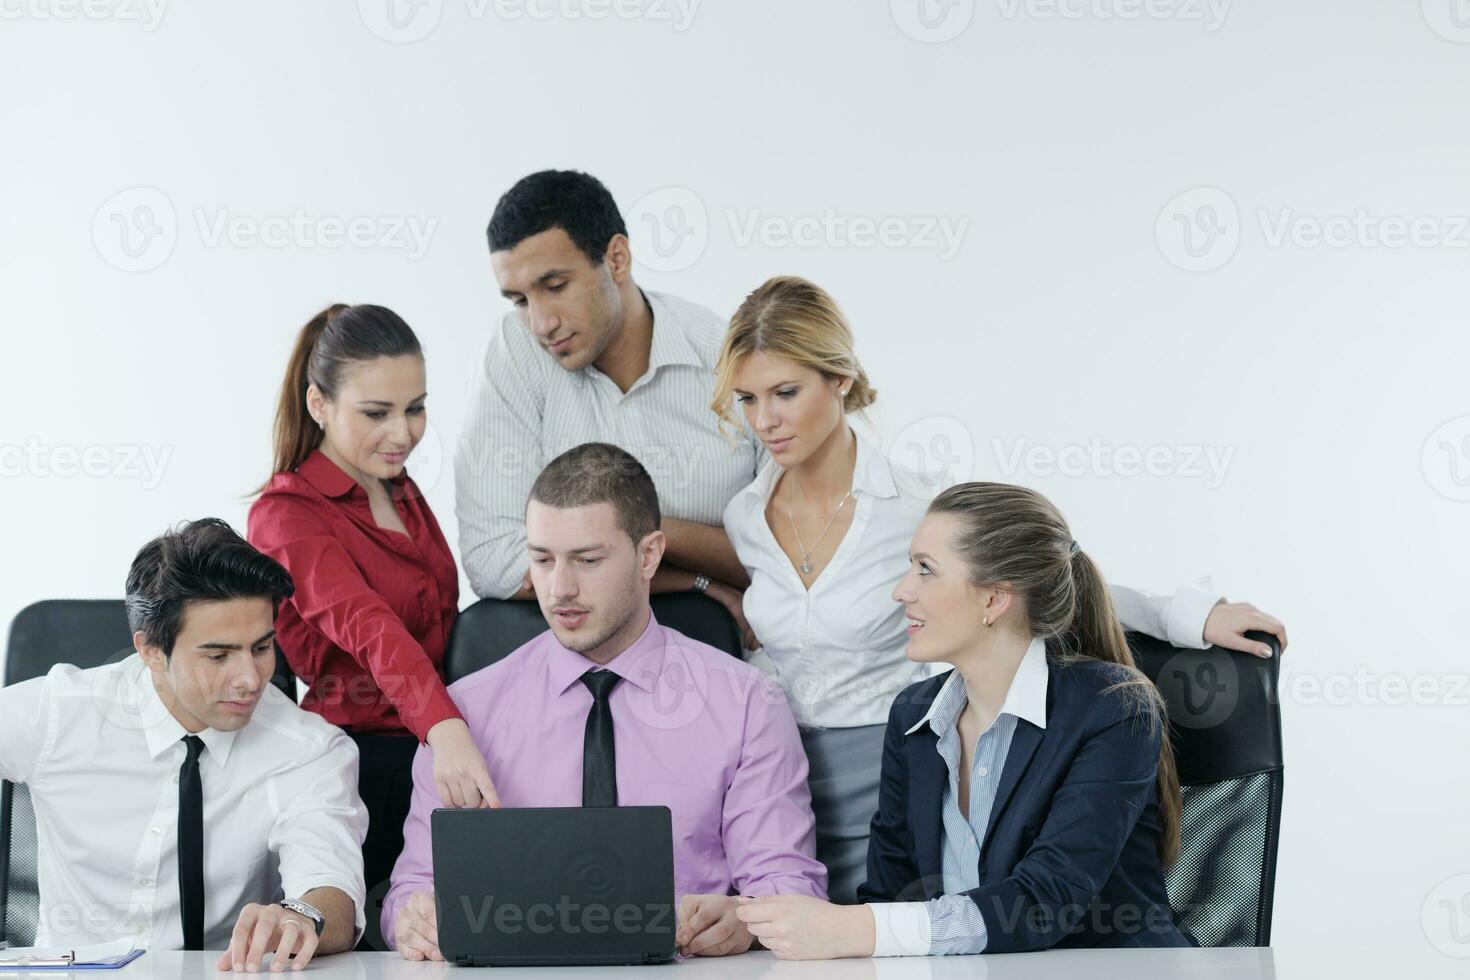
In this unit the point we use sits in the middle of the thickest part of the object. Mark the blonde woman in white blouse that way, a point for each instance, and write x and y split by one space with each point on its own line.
824 532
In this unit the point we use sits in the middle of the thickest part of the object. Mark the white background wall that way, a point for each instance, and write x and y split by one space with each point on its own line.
1058 140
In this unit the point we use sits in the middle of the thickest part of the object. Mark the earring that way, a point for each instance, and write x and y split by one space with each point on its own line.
985 620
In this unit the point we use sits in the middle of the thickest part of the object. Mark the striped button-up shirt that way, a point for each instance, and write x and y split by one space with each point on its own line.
952 922
525 409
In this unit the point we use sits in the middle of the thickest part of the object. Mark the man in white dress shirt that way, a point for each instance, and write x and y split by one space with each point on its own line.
587 356
181 799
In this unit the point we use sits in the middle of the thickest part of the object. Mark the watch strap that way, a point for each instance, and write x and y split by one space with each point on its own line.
311 912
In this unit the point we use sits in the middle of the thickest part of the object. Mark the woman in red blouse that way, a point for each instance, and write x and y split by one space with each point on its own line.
377 590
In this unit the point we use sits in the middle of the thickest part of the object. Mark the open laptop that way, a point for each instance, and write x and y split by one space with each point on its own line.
555 886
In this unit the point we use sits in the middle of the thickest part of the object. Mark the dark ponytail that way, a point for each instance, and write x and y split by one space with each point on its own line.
333 339
1015 536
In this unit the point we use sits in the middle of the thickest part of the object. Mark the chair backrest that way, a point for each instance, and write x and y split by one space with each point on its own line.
1225 726
491 629
88 633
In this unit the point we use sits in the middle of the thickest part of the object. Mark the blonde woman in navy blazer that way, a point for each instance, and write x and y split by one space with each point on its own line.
1028 798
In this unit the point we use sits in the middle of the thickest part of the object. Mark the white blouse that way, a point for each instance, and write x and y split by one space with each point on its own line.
838 649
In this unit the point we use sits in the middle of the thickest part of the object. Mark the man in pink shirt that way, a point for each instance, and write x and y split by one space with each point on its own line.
691 727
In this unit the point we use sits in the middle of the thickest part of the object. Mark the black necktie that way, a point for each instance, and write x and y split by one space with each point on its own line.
191 845
599 760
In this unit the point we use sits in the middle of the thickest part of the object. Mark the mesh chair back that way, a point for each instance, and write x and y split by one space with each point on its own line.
1225 723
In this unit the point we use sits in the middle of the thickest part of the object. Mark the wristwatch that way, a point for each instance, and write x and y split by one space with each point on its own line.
701 583
301 908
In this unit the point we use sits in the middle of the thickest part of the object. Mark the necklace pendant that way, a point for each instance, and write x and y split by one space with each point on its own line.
806 568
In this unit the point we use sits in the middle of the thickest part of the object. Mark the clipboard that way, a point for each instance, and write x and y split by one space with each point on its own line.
104 956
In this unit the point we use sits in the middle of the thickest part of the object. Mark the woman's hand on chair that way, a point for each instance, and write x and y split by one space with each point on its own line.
1228 623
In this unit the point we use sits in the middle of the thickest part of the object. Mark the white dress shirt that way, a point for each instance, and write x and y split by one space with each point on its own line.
525 410
838 648
101 755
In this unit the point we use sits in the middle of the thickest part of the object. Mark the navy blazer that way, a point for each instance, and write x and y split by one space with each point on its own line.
1070 855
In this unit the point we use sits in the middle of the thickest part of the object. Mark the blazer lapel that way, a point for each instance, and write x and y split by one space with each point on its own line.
927 778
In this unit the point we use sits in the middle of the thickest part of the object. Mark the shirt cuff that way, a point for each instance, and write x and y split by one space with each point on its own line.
439 706
1188 610
387 915
901 928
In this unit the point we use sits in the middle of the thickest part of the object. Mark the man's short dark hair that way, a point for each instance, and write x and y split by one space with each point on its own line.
575 202
595 473
201 561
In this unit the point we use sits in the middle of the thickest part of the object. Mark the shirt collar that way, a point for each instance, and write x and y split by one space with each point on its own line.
1025 699
161 729
326 476
639 665
670 344
329 479
872 474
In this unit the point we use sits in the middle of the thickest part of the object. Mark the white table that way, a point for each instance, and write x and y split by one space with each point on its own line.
1126 964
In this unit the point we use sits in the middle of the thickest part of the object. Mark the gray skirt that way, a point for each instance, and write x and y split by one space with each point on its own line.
845 764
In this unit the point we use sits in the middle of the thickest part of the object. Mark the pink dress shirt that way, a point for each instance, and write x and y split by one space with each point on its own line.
696 730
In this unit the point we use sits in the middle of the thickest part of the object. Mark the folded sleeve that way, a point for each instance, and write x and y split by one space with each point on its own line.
955 926
498 458
1178 618
333 598
320 824
769 830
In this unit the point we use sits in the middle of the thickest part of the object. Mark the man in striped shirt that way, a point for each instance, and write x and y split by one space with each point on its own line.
588 356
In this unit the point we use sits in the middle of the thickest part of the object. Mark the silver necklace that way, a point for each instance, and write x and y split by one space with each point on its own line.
806 556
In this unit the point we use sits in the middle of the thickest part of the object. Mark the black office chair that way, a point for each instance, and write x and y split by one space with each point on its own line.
1225 723
88 633
491 629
